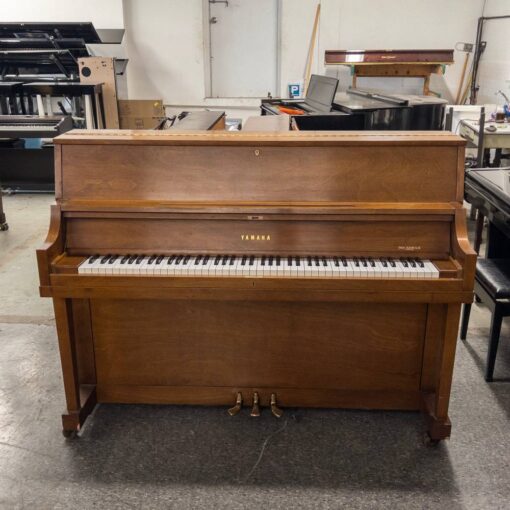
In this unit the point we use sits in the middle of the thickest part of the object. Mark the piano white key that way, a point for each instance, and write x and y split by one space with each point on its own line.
160 265
86 266
322 269
172 267
293 270
290 267
431 269
116 266
379 270
356 267
102 266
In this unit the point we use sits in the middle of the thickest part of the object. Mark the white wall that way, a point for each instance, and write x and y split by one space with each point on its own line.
103 13
164 40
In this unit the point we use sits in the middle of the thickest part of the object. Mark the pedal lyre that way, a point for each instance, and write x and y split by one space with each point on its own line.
239 403
277 412
255 410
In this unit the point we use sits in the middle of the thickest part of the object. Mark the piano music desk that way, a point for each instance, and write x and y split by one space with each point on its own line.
354 342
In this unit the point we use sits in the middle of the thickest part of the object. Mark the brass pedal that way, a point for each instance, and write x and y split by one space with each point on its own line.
255 410
239 403
277 412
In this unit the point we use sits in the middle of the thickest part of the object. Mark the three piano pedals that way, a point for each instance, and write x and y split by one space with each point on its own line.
255 409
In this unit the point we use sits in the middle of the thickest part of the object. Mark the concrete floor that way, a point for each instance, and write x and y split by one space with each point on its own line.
184 457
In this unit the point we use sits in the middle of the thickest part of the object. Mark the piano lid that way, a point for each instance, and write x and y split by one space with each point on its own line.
240 138
354 102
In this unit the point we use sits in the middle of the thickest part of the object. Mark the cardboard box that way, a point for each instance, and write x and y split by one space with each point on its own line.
139 122
141 108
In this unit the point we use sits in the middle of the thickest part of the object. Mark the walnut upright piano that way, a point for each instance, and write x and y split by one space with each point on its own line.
259 269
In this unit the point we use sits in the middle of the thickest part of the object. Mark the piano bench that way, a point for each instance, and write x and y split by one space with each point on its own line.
492 286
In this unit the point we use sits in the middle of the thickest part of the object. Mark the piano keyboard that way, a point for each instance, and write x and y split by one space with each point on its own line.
259 266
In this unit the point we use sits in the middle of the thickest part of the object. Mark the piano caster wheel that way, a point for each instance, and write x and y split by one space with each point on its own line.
428 441
239 403
277 412
4 227
70 434
255 410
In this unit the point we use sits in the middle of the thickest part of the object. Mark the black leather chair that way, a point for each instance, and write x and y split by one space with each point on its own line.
492 286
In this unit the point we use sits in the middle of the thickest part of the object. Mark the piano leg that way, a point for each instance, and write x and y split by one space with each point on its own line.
438 359
3 221
80 398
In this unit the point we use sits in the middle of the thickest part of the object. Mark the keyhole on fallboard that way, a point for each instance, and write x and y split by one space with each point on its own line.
257 152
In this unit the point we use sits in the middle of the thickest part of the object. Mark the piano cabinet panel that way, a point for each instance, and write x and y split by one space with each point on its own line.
367 348
376 173
137 235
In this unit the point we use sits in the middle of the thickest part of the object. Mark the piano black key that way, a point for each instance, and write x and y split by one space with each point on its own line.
363 261
324 263
316 260
186 259
371 262
112 259
159 259
344 261
139 259
93 258
278 260
243 260
132 258
252 260
309 260
420 262
263 261
171 259
152 259
224 260
217 260
392 262
205 260
104 260
198 260
356 261
270 260
124 259
289 260
384 262
412 262
404 262
232 260
298 261
178 260
335 260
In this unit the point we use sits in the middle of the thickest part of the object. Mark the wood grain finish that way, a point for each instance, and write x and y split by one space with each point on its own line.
253 174
259 344
426 237
350 342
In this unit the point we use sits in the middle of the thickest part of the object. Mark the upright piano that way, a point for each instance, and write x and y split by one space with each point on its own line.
260 269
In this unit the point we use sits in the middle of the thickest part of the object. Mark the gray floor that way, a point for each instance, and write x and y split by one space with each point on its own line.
177 457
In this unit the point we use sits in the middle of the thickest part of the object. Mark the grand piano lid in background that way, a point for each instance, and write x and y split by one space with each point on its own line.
493 183
354 100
